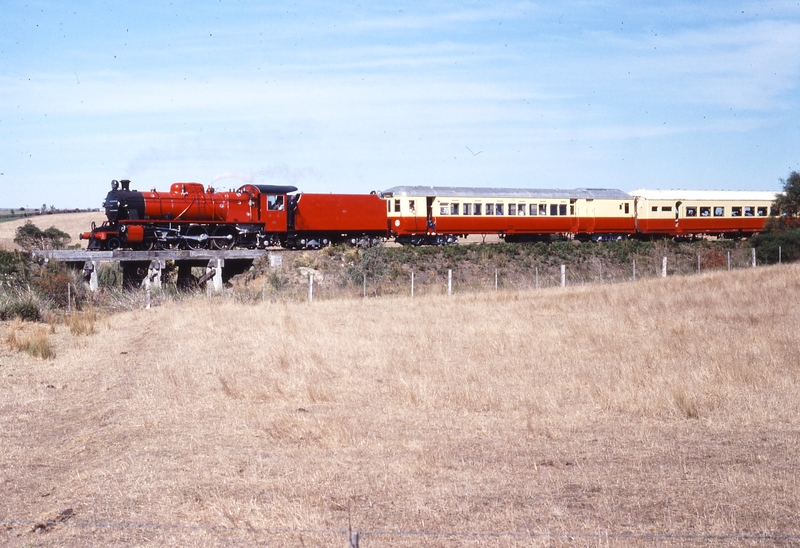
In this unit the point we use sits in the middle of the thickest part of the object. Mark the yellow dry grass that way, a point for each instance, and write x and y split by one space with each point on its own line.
660 412
71 223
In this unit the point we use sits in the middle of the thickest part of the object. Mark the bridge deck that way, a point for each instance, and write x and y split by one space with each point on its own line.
80 255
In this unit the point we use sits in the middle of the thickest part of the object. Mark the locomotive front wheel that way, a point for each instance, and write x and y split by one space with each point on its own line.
113 243
196 237
224 237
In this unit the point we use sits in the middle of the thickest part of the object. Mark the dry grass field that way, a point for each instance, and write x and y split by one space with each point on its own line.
71 223
663 412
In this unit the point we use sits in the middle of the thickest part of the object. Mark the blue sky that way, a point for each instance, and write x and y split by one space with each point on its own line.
351 97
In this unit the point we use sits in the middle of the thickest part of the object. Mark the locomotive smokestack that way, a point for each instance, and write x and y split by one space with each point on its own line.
126 184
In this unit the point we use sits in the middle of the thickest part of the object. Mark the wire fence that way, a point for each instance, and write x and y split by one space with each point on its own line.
307 283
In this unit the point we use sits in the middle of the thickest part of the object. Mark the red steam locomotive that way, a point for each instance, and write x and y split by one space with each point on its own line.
259 216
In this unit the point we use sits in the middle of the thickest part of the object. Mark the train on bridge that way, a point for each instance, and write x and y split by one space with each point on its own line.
191 216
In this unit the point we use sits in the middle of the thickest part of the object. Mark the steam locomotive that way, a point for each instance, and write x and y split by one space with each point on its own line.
190 216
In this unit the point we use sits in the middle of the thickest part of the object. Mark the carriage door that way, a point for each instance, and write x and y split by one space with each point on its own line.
429 208
586 216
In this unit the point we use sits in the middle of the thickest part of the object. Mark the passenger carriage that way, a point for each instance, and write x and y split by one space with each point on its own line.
438 215
682 213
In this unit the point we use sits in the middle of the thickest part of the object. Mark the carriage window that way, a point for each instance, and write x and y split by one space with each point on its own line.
467 209
736 212
444 209
654 208
533 209
397 206
748 211
666 208
477 209
627 207
761 211
719 211
275 203
453 209
542 209
411 206
490 209
499 209
774 211
512 209
553 209
691 211
562 209
521 209
705 211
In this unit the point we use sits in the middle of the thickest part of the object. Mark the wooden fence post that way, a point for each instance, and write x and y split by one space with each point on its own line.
310 287
449 282
353 540
563 275
664 267
412 284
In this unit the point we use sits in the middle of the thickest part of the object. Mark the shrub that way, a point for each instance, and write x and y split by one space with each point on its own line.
30 236
14 267
767 245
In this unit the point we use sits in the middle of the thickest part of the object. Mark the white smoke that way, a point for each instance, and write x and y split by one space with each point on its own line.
246 178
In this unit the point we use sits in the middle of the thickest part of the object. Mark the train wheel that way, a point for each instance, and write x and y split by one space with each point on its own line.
196 237
167 244
113 244
224 237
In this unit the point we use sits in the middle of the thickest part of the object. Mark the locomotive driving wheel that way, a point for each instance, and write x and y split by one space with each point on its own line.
196 237
224 237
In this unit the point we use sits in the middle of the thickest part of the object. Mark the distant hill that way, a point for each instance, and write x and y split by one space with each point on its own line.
71 223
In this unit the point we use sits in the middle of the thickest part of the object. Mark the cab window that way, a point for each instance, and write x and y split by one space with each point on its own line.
275 203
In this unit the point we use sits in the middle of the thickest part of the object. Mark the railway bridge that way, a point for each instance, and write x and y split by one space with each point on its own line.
144 267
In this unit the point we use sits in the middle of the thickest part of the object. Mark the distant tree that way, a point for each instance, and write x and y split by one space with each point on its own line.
30 236
788 203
